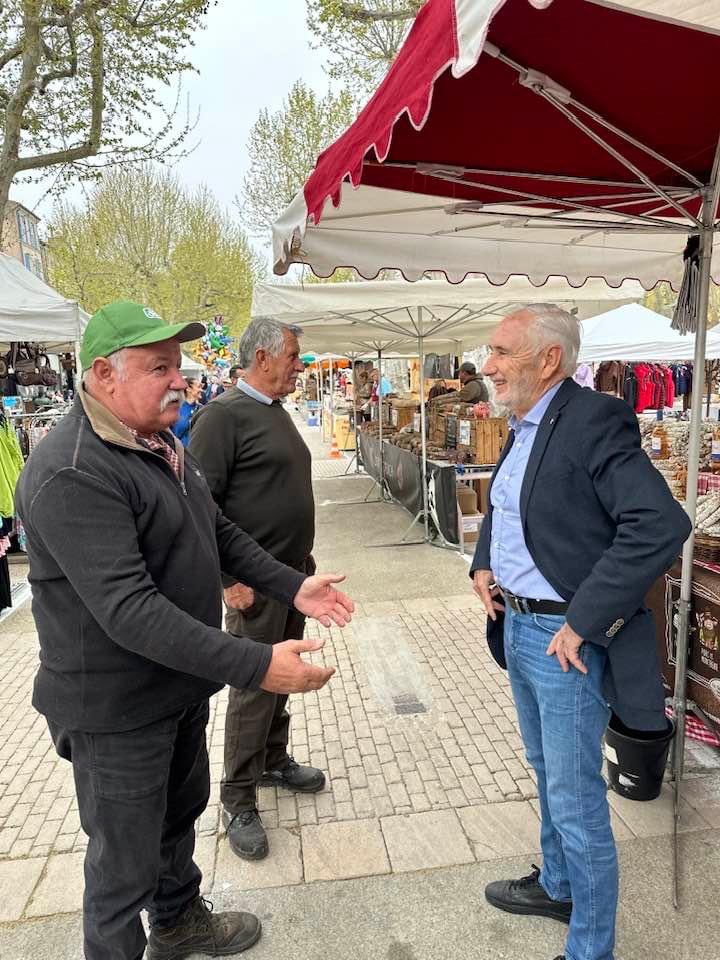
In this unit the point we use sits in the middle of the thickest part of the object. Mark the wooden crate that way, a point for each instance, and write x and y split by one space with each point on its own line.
490 436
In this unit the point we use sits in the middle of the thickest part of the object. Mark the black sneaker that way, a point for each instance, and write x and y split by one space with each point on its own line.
246 834
198 930
528 898
295 777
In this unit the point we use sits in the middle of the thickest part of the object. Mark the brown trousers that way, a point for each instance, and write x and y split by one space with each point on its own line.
257 724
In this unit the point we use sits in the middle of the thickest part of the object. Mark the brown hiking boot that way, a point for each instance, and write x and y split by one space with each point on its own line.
198 930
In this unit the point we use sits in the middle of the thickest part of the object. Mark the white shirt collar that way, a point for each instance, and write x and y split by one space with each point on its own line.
255 394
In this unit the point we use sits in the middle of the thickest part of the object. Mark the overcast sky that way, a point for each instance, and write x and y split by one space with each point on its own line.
248 57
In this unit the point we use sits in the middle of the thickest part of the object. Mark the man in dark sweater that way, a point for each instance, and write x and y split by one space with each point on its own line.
473 389
126 549
258 469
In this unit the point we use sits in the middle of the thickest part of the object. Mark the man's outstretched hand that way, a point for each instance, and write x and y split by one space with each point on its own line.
288 673
318 598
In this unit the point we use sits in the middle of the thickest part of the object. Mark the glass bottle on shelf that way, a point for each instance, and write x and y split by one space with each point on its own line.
659 441
715 448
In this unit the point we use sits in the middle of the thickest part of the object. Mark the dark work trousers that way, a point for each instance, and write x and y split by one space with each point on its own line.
139 795
257 723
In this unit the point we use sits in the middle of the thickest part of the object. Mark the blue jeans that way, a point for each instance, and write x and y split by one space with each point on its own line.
562 721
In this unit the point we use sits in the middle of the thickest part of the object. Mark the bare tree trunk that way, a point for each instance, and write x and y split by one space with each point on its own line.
32 53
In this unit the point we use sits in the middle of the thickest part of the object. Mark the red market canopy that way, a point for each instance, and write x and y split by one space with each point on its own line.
539 137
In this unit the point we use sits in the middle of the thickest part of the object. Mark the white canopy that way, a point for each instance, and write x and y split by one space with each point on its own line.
192 366
416 233
32 310
362 318
634 333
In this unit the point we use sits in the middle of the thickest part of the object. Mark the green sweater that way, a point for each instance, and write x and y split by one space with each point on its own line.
258 469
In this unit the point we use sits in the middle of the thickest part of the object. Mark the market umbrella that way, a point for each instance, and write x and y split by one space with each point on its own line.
568 138
398 318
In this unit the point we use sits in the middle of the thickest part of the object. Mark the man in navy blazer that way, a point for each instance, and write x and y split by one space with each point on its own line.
579 526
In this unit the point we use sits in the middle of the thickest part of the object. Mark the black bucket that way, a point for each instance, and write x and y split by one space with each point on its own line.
636 759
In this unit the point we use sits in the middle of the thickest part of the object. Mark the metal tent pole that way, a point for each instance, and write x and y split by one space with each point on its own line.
421 351
680 693
380 434
332 398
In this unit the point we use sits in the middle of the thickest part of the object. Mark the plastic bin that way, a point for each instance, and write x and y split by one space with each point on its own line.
636 759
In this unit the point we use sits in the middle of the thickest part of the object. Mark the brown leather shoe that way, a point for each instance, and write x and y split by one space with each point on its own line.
199 930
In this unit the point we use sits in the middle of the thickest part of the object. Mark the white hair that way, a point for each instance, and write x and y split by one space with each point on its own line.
264 334
553 326
116 361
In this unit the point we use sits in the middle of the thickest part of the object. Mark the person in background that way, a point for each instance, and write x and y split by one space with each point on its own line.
234 374
438 390
213 390
363 392
473 389
259 471
189 408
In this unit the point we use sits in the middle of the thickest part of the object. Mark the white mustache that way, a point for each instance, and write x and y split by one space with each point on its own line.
170 397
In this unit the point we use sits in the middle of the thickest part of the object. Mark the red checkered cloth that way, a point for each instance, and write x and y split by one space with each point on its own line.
696 730
708 483
157 444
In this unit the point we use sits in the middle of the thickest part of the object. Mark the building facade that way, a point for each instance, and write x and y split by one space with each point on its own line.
20 239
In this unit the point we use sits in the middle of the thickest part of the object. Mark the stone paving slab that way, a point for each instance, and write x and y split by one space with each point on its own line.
17 882
60 889
501 830
340 851
283 867
426 841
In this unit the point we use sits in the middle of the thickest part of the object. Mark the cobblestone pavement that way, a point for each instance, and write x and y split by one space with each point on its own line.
461 747
416 732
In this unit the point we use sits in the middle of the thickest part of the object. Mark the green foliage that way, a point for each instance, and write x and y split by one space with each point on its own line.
142 236
361 37
662 299
283 147
83 79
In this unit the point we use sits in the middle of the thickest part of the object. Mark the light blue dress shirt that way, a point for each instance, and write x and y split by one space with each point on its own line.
510 559
252 392
384 387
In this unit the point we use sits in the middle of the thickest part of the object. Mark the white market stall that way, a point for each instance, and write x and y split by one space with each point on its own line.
398 318
32 310
634 333
495 146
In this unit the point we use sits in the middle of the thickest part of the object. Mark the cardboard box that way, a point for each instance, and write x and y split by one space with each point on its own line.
402 416
482 488
467 500
471 527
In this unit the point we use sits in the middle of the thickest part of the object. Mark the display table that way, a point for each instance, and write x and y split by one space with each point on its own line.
402 472
704 635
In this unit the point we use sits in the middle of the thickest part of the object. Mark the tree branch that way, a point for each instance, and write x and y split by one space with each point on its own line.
12 54
97 75
70 70
354 11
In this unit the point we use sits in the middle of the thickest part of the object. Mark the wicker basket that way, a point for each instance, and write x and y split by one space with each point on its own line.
707 548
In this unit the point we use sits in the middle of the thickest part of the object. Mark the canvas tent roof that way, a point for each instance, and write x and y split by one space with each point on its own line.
32 310
362 318
634 333
495 146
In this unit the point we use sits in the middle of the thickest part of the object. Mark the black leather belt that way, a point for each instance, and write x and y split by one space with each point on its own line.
526 605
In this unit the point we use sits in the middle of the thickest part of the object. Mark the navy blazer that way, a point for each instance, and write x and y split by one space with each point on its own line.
601 525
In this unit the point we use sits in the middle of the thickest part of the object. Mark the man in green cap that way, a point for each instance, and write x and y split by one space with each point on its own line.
126 548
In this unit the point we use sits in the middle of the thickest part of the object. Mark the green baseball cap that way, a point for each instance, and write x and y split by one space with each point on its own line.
124 323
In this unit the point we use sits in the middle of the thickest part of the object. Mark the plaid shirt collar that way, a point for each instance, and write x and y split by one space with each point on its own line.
158 444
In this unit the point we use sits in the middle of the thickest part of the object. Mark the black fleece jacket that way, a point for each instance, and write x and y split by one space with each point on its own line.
125 567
